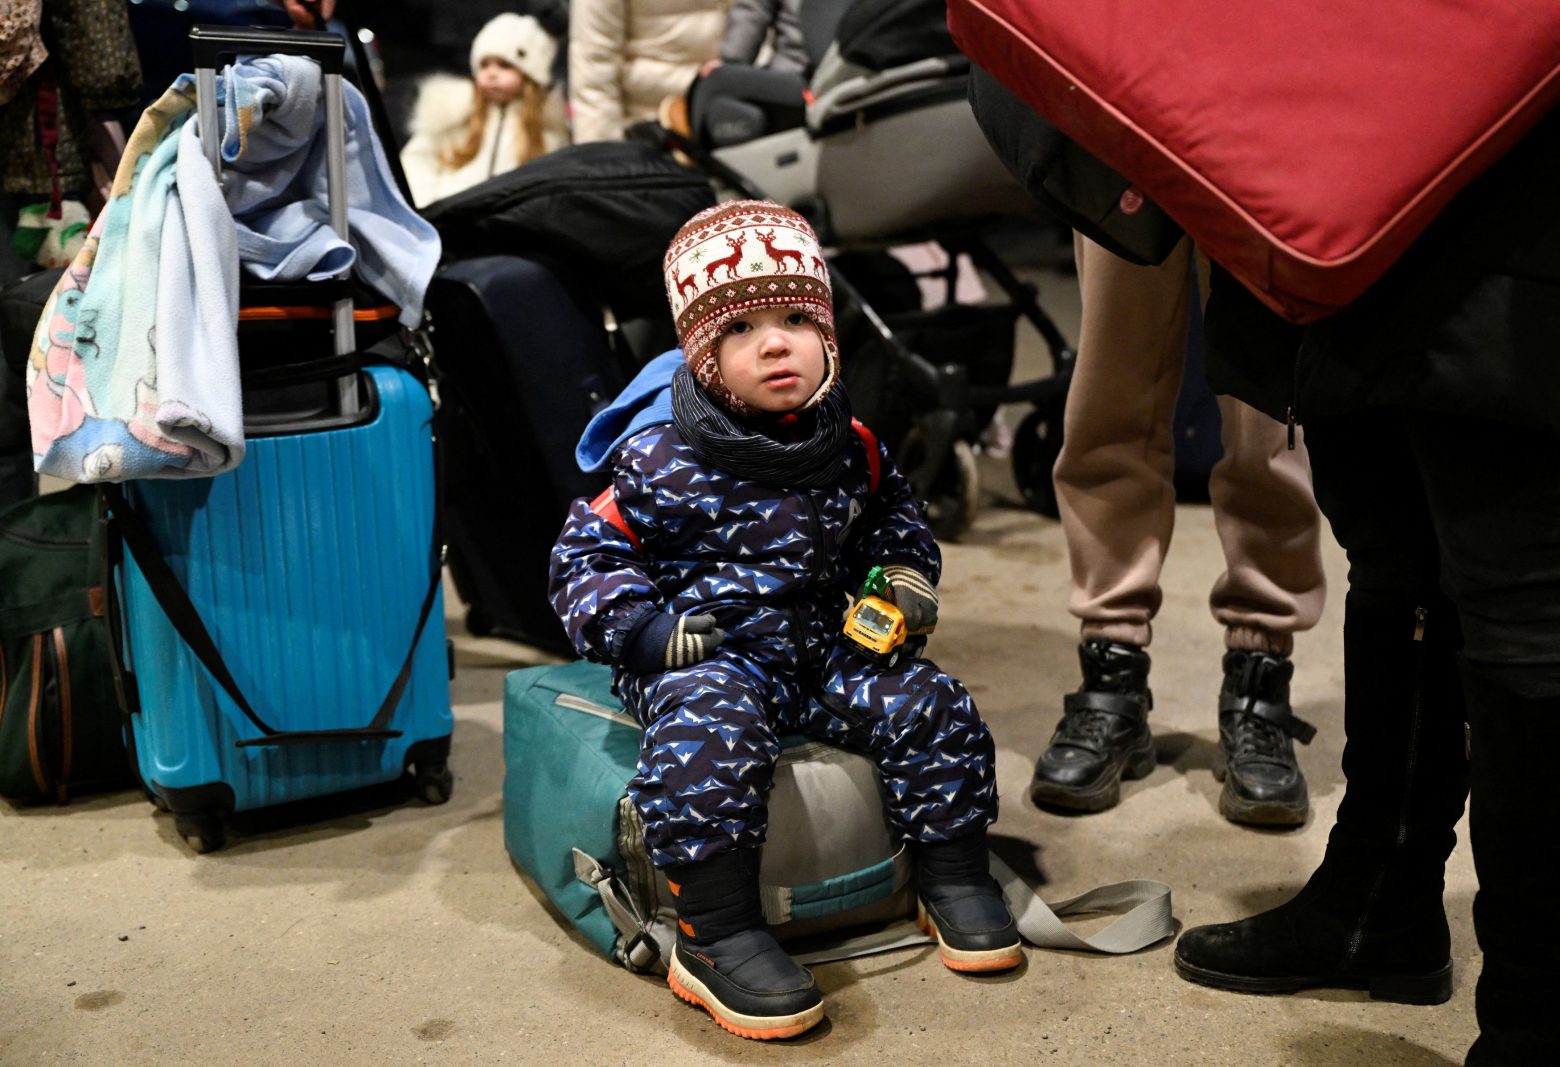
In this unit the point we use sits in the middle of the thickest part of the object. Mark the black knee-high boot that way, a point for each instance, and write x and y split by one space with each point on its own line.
1511 823
726 961
1371 916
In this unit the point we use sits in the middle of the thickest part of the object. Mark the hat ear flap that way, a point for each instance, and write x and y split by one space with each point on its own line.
831 369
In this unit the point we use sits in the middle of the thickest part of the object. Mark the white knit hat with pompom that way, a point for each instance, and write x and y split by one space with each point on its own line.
520 41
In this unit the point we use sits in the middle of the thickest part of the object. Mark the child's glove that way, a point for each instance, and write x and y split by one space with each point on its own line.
914 596
668 641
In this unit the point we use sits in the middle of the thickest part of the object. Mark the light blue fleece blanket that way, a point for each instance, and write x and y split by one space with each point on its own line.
273 180
134 372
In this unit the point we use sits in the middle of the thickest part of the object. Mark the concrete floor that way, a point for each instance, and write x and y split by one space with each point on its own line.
373 929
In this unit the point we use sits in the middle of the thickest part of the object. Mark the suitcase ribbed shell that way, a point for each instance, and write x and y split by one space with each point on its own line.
308 563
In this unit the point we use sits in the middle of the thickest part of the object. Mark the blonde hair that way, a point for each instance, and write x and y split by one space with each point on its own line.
532 98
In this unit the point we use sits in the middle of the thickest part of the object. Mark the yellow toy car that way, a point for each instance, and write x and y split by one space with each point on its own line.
873 623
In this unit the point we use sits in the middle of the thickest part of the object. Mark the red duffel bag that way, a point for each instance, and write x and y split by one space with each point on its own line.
1303 144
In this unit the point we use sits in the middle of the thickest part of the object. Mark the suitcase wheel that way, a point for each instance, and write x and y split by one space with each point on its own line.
201 830
435 781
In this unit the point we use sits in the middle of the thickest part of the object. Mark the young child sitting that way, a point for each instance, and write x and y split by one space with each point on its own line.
464 131
714 576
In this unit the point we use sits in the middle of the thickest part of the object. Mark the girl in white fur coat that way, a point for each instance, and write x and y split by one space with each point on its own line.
465 131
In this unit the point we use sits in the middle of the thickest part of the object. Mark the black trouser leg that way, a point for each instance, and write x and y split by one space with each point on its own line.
1513 745
1372 914
1404 715
1494 491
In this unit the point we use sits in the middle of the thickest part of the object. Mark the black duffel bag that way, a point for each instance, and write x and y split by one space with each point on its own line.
601 212
1068 182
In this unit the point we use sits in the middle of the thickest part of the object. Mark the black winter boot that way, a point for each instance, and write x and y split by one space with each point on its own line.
1103 736
1513 744
962 906
1263 784
726 961
1371 915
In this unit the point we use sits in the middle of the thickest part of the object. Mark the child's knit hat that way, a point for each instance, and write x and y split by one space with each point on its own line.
520 41
732 259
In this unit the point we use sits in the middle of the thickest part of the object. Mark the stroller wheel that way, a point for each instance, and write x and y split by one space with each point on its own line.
954 495
1035 447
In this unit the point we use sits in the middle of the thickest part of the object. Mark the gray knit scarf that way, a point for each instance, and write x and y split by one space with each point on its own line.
743 447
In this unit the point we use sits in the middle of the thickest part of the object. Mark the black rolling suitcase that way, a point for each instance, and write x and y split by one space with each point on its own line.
524 361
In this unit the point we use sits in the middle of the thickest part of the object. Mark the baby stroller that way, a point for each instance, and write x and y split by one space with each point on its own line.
878 147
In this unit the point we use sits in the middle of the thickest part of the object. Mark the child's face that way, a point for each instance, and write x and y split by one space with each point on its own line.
771 359
499 82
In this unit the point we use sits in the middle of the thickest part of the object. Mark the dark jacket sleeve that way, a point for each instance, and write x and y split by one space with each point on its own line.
600 582
892 529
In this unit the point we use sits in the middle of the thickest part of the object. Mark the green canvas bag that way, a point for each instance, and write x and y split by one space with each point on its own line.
60 725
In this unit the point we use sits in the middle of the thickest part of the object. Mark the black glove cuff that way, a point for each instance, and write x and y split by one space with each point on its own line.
645 649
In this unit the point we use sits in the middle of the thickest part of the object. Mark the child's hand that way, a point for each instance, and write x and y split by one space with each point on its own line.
670 641
914 596
694 638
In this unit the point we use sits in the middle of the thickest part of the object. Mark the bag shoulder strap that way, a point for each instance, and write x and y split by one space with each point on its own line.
874 457
1143 907
638 949
606 506
1142 904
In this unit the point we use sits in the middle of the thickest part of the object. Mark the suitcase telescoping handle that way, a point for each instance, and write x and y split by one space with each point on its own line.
212 46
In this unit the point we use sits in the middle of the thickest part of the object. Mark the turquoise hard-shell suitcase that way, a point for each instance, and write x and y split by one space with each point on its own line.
282 625
311 565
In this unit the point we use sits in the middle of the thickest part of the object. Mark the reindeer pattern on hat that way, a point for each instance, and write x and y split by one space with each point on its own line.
701 260
737 257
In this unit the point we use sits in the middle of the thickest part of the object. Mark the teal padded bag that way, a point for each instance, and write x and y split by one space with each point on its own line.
569 751
831 871
564 772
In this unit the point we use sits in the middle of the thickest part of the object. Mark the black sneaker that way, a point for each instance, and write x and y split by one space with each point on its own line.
1263 783
975 931
748 984
1103 736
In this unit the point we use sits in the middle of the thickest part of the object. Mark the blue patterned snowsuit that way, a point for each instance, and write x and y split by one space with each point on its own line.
776 569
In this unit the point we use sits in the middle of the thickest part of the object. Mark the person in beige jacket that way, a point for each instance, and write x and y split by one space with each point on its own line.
626 56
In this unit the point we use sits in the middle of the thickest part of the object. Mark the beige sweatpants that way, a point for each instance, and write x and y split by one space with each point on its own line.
1114 475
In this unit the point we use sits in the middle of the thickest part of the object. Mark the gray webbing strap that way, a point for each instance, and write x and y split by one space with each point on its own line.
640 952
1144 907
902 934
